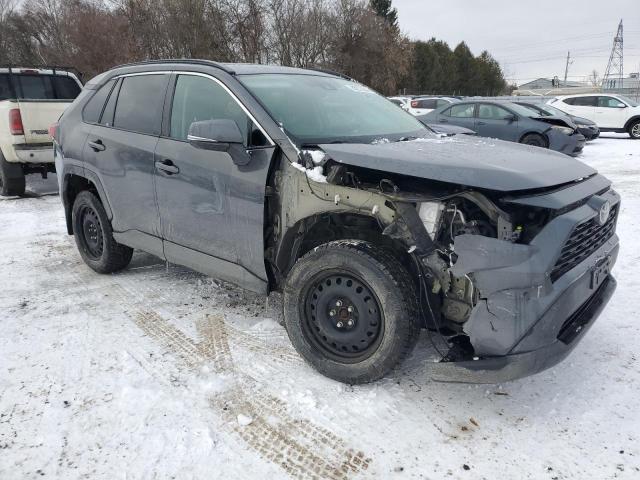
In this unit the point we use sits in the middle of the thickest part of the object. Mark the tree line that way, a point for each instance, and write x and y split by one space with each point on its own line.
358 38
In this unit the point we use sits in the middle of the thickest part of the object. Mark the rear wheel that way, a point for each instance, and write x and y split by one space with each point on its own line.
12 180
94 236
350 310
634 130
535 140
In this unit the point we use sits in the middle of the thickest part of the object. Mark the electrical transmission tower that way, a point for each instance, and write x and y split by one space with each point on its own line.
615 67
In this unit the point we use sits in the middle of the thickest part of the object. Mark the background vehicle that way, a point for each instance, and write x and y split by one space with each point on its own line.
401 101
511 122
612 113
275 178
423 105
586 127
31 99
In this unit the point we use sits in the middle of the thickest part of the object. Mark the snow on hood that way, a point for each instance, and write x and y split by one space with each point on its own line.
471 161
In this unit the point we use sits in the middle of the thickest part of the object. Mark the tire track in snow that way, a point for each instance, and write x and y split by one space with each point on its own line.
298 446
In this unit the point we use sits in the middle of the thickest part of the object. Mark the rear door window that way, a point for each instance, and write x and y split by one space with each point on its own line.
442 103
461 111
139 106
582 101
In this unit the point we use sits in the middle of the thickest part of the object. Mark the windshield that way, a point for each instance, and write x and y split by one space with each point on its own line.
519 109
546 110
315 110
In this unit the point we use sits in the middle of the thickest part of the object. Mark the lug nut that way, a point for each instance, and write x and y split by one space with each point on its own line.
350 323
350 309
332 313
339 324
339 303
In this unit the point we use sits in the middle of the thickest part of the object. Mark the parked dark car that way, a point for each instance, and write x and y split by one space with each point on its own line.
586 127
372 227
511 122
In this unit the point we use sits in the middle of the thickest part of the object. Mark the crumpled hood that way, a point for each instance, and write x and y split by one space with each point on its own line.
471 161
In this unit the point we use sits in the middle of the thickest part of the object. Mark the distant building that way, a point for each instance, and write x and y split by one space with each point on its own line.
548 83
626 86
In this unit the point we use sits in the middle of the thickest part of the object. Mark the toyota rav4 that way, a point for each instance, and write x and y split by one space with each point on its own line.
309 183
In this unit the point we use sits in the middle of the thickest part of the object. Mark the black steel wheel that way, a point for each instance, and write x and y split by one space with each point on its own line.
343 317
12 180
91 236
94 235
350 310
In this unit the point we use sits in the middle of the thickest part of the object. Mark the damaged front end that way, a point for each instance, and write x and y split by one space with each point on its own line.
507 282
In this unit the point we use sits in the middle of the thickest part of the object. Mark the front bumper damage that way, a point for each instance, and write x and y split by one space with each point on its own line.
568 144
525 322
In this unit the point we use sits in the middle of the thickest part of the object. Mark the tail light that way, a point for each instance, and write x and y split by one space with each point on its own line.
53 131
414 104
15 122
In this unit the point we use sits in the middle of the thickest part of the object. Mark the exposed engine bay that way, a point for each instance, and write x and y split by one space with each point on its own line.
427 224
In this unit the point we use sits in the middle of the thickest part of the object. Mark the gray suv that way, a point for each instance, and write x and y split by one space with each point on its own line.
374 228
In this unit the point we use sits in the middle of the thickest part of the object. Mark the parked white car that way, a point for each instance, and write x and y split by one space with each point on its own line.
402 102
612 113
31 99
423 105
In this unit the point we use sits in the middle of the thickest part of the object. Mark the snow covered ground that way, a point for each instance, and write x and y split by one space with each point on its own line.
160 372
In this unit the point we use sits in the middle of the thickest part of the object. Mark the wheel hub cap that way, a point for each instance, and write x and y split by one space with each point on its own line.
343 317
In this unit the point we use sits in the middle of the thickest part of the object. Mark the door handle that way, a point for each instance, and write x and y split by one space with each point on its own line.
167 166
481 123
444 120
97 146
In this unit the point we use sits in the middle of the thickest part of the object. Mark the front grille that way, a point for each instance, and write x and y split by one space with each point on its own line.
585 239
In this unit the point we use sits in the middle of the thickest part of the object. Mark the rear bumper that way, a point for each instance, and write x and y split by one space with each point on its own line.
27 153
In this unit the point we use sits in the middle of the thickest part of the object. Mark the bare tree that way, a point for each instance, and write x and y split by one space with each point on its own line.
594 78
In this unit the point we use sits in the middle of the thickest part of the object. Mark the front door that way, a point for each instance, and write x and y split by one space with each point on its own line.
211 208
496 122
610 112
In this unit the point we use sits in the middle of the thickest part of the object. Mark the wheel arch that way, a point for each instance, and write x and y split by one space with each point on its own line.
534 132
75 182
631 121
315 230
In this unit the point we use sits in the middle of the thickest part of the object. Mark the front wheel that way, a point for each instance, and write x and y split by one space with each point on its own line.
634 130
350 310
535 140
94 236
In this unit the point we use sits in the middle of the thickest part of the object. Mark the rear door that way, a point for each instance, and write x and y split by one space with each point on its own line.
461 114
496 122
212 209
120 152
610 112
581 106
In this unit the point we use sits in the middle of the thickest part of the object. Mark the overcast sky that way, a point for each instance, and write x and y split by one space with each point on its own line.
530 39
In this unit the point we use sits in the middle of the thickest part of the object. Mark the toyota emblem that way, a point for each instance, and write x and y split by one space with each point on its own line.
603 214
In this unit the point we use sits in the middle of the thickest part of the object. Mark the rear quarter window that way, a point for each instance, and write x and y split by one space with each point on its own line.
93 108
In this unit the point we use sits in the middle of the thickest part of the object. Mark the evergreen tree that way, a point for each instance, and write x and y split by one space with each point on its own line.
383 9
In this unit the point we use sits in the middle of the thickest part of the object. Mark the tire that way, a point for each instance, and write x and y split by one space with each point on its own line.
384 311
634 130
534 140
12 182
94 236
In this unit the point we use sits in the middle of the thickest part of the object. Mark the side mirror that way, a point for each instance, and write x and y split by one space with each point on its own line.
218 134
510 118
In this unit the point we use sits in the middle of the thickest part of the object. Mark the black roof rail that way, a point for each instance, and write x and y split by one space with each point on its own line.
187 61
